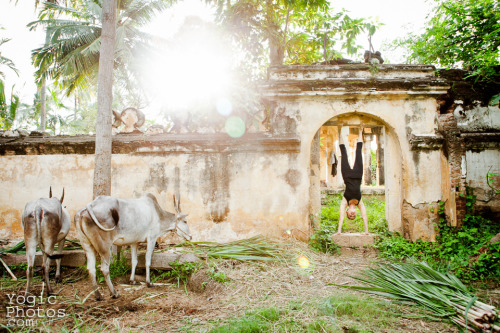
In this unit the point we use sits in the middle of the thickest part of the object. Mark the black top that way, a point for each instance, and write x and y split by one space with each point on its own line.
352 177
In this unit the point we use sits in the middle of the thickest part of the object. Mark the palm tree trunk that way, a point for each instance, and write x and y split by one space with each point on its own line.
43 100
103 142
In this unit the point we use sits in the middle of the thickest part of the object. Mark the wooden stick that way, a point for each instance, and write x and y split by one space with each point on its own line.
8 270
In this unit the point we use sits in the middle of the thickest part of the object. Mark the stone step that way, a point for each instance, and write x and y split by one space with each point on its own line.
354 239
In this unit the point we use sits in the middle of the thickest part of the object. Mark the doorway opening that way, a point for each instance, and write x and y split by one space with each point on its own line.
376 194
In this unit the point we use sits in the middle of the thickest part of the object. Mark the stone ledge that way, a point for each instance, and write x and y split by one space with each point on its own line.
77 258
150 144
354 240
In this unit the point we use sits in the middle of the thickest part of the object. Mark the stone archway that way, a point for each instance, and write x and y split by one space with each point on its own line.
404 98
392 173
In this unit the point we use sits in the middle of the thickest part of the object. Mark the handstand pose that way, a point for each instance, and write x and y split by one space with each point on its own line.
352 179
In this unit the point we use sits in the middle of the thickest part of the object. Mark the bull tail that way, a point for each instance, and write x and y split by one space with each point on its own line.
39 217
96 221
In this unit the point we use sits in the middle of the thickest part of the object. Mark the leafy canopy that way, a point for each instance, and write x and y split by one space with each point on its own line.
462 33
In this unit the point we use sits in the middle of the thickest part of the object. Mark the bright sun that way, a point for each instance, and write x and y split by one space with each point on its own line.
193 67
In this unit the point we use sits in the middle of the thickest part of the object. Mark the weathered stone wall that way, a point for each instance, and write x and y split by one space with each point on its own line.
231 188
268 182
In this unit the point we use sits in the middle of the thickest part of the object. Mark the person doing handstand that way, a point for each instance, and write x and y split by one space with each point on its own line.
352 179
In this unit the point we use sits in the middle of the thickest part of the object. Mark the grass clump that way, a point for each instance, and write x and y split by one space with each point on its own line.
181 272
117 267
216 275
321 241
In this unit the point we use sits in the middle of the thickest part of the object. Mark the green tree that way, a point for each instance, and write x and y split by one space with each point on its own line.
71 56
8 107
286 31
463 33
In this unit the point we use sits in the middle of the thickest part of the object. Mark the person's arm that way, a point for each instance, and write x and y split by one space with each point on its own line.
360 135
343 205
362 209
339 130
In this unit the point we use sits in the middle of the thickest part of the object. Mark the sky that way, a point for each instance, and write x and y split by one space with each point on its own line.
399 16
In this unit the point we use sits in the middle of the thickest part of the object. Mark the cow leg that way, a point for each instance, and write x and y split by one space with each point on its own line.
30 258
91 261
105 261
58 261
133 253
149 253
46 270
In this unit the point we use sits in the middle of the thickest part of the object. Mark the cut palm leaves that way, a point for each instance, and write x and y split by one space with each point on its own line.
257 248
20 248
442 295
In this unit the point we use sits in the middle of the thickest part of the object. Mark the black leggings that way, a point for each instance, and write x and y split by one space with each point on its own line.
352 177
357 170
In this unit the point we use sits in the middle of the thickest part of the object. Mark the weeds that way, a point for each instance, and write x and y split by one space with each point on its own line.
466 252
321 241
117 267
216 275
181 272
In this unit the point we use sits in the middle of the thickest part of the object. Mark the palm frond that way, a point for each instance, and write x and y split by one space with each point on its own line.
441 294
256 248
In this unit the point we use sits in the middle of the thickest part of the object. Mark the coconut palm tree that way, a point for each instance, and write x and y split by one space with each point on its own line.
71 56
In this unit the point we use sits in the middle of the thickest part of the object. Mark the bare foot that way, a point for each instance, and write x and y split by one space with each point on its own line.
337 233
365 233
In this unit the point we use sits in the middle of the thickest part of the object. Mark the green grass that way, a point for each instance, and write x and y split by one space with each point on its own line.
375 211
321 240
336 313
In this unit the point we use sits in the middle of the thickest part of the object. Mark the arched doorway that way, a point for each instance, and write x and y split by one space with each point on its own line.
386 174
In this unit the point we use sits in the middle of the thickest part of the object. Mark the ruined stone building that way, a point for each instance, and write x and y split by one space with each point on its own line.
431 141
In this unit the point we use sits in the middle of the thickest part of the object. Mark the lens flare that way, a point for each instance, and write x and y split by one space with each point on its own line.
303 262
235 127
224 106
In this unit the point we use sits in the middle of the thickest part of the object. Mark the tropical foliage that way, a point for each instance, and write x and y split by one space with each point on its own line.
280 31
462 33
71 56
467 252
8 106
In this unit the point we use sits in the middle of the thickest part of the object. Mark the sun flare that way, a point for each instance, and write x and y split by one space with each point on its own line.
193 66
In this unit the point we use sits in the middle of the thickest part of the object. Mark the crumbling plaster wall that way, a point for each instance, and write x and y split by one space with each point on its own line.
228 195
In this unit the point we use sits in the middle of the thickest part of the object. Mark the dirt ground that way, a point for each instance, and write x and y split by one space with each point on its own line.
169 308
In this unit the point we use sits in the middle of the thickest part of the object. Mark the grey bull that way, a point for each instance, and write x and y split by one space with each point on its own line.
45 222
108 221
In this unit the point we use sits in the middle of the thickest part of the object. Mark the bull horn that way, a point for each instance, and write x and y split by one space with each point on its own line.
62 196
50 192
176 205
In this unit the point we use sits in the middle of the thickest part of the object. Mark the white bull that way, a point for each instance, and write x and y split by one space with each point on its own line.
45 222
108 221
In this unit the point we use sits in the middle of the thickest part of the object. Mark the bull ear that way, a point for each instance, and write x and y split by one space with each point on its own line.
50 192
62 197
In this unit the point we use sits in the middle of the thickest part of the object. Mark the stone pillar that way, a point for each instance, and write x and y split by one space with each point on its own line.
367 161
455 149
315 193
379 134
